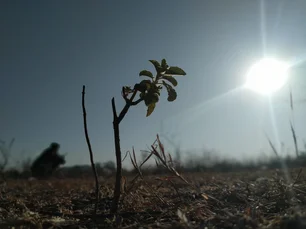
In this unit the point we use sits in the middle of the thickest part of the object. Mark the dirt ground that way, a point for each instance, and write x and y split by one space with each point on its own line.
253 199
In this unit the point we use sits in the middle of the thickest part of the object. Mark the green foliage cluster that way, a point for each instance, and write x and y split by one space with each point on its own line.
150 89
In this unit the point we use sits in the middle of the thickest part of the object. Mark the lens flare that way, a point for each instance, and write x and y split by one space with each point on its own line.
267 76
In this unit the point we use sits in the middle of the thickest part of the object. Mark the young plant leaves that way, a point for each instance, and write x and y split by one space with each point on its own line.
171 79
147 83
157 66
146 73
171 92
150 109
175 71
143 86
171 95
164 64
151 98
127 89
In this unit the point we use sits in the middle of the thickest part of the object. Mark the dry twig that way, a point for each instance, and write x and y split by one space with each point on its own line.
90 151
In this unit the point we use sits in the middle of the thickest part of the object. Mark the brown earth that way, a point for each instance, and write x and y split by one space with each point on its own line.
254 199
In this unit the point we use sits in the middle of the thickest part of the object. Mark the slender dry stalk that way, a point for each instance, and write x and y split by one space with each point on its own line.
297 177
90 151
294 139
272 147
137 168
168 164
292 125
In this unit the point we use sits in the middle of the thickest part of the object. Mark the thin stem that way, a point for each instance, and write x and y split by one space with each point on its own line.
117 190
136 102
126 107
90 151
116 121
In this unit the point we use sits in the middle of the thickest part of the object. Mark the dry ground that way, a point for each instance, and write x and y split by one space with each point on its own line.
253 199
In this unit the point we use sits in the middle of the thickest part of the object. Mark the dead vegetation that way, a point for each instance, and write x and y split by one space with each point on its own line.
233 200
261 199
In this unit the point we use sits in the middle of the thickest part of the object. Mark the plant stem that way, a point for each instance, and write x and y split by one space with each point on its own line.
116 121
117 190
90 151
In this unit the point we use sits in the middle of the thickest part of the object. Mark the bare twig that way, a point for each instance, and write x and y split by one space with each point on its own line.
90 151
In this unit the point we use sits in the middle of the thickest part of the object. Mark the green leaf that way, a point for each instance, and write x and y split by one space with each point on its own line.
142 95
146 73
175 71
151 97
155 97
164 64
150 109
171 80
157 66
171 92
147 100
171 95
146 84
143 86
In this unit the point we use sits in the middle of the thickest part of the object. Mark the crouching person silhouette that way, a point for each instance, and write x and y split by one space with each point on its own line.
47 162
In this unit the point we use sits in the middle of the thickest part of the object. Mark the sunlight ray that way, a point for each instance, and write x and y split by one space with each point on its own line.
279 15
197 111
263 26
278 143
298 61
274 125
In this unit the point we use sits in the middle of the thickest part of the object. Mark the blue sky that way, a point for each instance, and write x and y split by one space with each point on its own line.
49 49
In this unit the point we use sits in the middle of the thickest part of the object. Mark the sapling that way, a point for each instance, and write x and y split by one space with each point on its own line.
148 91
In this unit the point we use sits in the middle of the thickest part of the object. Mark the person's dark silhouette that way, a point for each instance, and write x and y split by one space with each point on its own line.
47 162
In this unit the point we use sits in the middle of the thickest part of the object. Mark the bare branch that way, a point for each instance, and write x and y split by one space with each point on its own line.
90 151
114 109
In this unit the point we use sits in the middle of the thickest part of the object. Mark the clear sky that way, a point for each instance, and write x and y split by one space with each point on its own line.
49 49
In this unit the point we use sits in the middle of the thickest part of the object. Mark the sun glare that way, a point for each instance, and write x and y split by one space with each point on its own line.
267 76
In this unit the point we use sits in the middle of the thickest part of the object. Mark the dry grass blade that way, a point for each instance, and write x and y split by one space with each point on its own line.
160 158
156 163
291 100
135 161
170 159
135 164
161 147
272 146
147 158
294 139
138 168
157 196
127 152
297 177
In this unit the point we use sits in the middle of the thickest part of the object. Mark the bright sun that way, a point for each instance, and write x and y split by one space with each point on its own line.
267 76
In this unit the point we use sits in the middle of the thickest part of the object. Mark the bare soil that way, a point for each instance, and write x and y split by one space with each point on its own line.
253 199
